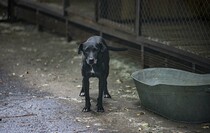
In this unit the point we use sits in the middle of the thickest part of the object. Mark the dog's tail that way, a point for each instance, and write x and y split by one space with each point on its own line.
116 49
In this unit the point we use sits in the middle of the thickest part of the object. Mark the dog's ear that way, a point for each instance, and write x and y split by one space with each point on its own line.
80 48
103 47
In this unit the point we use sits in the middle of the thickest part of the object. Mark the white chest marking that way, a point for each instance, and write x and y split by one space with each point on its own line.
92 71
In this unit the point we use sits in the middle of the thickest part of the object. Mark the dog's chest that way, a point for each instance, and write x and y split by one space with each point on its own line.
92 71
95 71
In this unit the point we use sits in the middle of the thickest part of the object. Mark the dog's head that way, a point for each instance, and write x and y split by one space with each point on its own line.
91 51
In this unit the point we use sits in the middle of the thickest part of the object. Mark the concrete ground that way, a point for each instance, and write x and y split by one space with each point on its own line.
40 82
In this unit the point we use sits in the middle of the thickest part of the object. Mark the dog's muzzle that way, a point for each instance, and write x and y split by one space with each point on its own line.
91 61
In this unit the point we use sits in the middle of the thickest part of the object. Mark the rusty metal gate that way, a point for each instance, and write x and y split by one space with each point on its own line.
160 33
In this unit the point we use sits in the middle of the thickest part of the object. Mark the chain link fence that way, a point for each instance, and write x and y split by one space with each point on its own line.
119 13
84 8
3 11
56 4
180 24
184 24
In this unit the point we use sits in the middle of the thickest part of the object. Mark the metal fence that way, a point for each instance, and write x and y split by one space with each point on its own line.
181 24
184 24
85 8
172 25
119 13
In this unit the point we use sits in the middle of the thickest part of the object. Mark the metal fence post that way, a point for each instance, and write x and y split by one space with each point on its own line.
66 4
10 10
138 22
142 56
138 26
97 10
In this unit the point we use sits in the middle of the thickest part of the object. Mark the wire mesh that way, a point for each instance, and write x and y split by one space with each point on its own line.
119 13
156 59
3 11
184 24
85 8
3 2
54 4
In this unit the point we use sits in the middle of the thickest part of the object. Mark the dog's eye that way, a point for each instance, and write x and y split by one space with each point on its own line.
87 50
95 49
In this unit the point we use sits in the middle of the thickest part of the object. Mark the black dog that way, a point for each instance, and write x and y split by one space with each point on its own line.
95 64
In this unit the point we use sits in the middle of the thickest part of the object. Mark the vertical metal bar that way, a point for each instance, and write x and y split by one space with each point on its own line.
166 62
39 27
10 10
68 36
97 10
138 23
193 67
67 33
66 4
37 20
142 56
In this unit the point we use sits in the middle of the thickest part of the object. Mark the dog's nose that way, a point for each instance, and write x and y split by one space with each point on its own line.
91 61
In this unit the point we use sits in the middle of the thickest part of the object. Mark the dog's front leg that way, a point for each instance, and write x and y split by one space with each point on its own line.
82 92
100 95
106 93
87 96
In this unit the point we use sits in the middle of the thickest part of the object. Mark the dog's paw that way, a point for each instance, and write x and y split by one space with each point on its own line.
86 109
100 109
82 94
107 95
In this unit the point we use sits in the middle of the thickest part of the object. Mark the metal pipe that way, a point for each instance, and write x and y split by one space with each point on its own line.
66 4
138 22
10 10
